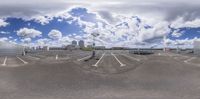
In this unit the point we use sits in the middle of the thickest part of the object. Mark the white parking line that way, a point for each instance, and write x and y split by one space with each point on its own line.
96 65
4 62
84 58
131 57
34 57
22 60
56 57
186 61
121 64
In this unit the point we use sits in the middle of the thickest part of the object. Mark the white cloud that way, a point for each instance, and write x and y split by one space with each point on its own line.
3 39
6 42
3 32
177 33
28 33
181 23
115 22
43 20
3 23
126 31
42 42
55 34
168 10
26 40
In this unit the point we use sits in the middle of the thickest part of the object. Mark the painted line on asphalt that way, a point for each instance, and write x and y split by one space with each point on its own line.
22 60
131 57
121 64
56 57
4 62
187 61
84 58
34 57
96 65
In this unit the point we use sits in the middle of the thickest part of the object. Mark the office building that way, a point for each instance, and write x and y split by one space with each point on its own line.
81 44
74 43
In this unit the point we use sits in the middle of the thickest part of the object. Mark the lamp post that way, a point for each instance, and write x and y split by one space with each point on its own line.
94 35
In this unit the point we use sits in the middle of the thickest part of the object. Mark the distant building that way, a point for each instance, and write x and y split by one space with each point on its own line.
72 47
89 46
74 43
118 48
100 47
56 48
81 44
38 48
46 48
197 47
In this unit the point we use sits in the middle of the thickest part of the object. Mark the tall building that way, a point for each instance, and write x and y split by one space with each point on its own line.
81 44
197 47
74 43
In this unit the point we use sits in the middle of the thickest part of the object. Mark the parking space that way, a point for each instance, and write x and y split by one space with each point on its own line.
105 61
13 61
195 61
3 59
110 62
119 72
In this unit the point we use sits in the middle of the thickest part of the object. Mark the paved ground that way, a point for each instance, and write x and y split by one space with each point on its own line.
110 75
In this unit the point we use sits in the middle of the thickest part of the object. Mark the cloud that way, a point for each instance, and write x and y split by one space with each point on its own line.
26 40
177 33
3 23
3 39
120 23
3 32
42 42
180 23
55 34
129 30
28 33
168 10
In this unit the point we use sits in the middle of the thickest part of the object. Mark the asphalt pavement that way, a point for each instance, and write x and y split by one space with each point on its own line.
109 75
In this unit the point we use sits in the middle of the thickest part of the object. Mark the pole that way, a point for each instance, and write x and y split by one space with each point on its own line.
93 52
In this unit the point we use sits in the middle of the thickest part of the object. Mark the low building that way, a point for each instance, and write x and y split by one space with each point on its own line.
56 48
72 47
100 47
89 46
117 48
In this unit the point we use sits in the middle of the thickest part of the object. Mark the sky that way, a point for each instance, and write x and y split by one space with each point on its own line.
122 23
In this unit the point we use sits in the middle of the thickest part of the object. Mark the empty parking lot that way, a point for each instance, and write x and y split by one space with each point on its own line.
109 75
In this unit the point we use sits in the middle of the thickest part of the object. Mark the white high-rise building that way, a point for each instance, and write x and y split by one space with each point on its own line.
196 48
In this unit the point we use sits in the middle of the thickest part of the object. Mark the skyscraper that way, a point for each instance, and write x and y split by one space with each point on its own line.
81 44
74 43
197 47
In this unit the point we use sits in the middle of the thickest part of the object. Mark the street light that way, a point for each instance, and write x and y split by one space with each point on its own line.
95 34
